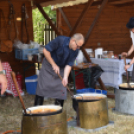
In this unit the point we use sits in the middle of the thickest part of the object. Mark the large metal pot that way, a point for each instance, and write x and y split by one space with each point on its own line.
124 98
92 109
48 119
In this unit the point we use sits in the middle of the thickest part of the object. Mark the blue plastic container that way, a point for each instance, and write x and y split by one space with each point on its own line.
104 92
31 84
91 90
98 91
79 91
22 53
85 90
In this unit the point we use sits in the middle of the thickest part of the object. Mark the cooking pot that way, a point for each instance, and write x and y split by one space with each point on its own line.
124 98
82 98
44 119
92 110
43 110
126 86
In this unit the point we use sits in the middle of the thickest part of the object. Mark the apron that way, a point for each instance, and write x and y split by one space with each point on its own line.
49 84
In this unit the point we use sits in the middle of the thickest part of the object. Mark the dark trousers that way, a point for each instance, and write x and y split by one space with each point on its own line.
39 101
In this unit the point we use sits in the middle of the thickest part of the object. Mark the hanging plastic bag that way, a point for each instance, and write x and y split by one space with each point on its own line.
95 73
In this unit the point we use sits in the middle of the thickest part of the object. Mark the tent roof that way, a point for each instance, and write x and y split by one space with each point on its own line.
65 3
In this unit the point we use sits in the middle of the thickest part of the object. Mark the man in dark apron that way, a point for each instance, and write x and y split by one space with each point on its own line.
3 80
130 26
60 55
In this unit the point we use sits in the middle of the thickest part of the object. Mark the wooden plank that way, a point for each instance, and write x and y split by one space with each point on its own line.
121 2
10 57
81 17
95 20
65 18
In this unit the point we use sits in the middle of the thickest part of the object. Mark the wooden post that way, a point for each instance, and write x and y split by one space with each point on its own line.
95 20
87 37
65 18
81 17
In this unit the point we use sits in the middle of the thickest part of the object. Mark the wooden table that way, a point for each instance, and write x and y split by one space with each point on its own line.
27 64
81 68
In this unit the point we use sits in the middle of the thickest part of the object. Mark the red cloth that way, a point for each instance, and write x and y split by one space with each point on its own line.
10 85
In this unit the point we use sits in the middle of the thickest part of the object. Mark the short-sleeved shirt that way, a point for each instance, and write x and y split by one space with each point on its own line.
60 51
132 36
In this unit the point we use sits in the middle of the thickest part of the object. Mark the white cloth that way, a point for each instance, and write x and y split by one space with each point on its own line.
113 70
132 36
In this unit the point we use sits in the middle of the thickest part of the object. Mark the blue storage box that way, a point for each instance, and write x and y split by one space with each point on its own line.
31 84
79 91
98 91
22 53
91 90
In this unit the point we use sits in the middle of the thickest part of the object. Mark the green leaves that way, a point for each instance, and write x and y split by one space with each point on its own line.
39 23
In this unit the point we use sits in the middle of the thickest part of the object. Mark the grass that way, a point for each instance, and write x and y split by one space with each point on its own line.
11 115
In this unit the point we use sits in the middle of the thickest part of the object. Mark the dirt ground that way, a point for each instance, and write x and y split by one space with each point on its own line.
11 115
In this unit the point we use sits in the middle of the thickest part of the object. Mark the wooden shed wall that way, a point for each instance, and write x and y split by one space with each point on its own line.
10 57
110 30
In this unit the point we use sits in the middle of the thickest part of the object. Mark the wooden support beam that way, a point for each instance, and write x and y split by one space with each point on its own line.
65 18
87 37
95 20
81 17
101 84
85 54
47 18
110 95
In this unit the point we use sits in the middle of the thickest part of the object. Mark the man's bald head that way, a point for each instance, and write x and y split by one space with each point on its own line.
78 36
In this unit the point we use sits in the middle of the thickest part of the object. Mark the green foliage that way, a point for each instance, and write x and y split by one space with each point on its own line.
39 22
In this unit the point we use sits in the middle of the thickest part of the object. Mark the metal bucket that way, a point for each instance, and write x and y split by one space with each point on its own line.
48 119
124 98
93 110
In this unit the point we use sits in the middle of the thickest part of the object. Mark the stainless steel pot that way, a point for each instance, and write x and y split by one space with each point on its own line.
124 98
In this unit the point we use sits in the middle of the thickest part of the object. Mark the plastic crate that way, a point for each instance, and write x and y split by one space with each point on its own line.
22 53
91 90
31 84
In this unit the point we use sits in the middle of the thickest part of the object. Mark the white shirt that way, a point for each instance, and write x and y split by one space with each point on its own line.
132 36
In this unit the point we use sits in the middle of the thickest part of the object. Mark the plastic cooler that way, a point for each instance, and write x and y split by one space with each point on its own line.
31 84
91 90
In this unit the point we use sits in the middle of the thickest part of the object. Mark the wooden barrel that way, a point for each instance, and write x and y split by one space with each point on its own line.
45 123
93 111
